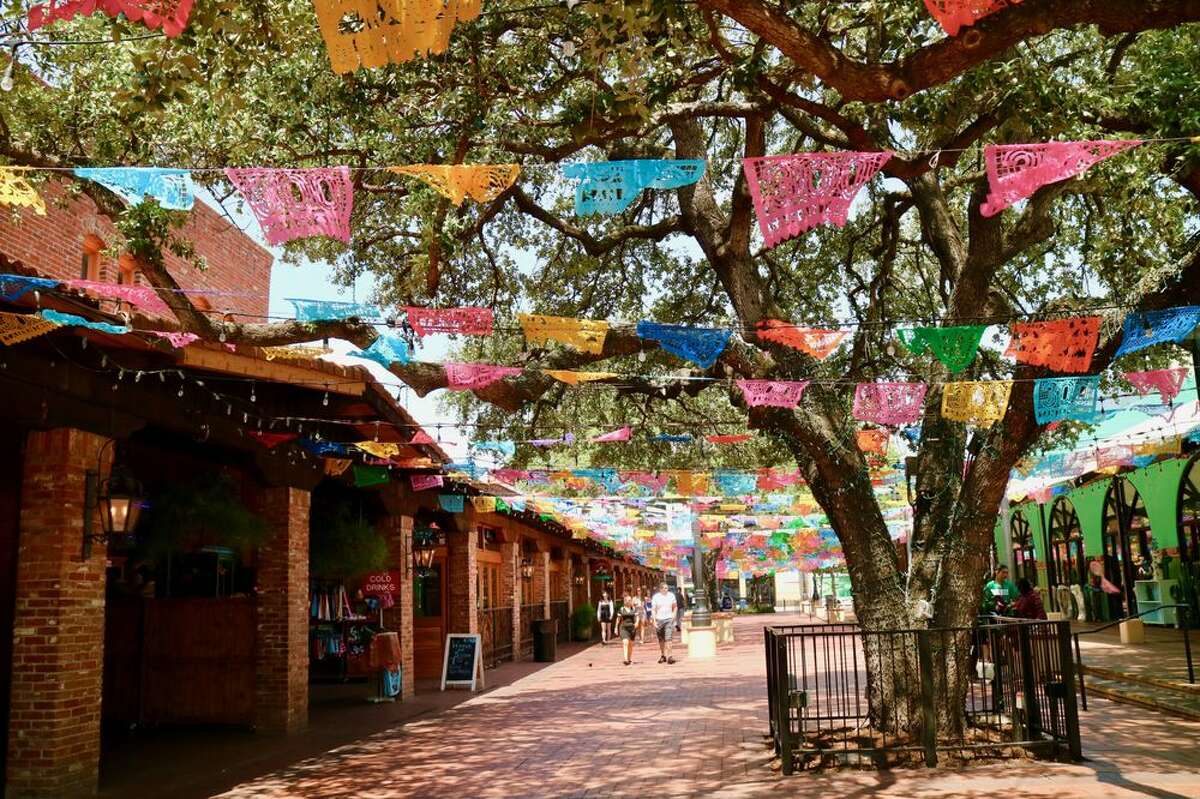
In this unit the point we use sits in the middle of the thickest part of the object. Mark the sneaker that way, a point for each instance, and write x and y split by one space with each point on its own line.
627 663
662 659
670 660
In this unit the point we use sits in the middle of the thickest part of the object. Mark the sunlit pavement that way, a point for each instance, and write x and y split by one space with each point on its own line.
590 726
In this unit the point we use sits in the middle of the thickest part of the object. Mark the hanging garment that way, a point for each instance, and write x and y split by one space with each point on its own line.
794 193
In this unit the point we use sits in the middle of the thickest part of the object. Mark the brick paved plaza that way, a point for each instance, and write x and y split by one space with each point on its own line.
589 726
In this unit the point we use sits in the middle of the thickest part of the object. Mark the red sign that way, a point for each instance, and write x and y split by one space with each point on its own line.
378 583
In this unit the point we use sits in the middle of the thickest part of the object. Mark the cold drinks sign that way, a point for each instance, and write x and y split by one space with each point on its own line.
379 583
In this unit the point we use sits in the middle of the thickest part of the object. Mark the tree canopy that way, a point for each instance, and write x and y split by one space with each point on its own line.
250 84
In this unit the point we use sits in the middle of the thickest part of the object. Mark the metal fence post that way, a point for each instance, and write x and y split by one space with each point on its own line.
767 636
1033 717
929 711
1070 709
1079 668
783 707
1187 644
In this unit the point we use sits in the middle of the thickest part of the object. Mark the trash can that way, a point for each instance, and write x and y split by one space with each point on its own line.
545 640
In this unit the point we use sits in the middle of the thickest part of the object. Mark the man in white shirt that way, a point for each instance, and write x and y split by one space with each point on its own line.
663 607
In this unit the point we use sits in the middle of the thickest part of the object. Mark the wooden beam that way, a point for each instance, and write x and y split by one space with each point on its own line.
245 366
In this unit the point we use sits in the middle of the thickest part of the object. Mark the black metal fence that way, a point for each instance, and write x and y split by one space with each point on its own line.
895 697
561 613
496 631
529 615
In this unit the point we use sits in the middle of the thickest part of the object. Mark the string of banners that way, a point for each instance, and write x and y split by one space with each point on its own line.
791 193
395 31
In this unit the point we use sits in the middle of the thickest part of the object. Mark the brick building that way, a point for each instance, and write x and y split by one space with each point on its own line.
205 628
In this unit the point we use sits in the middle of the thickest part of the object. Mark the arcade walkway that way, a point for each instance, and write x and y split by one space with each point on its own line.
589 726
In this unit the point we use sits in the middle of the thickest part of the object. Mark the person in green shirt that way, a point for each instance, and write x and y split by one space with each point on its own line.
999 593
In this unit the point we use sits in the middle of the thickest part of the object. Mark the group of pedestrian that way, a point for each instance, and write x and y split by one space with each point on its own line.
635 616
1002 598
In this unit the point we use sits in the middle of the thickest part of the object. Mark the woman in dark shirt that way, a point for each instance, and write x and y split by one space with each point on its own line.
1029 602
629 617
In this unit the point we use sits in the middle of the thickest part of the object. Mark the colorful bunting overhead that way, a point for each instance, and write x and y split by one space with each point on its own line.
451 503
1064 345
15 189
323 310
504 448
483 504
15 328
169 15
583 335
737 438
297 203
424 482
380 449
731 483
1016 171
953 15
172 188
457 321
817 342
889 403
873 441
977 402
72 320
271 440
473 376
1167 382
13 287
1145 329
954 347
575 378
481 182
336 467
772 393
620 434
609 187
1056 398
142 297
367 476
385 350
793 193
388 33
700 345
177 340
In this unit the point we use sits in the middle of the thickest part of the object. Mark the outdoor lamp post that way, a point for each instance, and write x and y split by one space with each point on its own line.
425 544
702 615
119 500
526 568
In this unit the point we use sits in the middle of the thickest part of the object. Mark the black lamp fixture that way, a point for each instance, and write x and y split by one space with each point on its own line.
118 498
426 540
526 568
580 579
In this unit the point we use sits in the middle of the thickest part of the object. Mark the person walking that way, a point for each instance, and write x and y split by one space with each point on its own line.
605 613
629 618
663 608
647 615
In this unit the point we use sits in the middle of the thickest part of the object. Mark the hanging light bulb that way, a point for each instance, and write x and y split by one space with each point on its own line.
252 398
325 401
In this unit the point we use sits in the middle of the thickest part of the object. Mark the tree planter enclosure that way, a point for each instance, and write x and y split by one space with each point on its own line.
839 695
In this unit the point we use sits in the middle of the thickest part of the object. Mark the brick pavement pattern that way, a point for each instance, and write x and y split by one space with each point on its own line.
589 726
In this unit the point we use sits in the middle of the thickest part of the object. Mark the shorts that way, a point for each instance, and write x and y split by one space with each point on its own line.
627 632
664 629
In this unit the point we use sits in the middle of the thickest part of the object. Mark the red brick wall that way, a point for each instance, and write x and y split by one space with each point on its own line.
53 245
510 587
281 683
58 629
397 531
541 582
463 587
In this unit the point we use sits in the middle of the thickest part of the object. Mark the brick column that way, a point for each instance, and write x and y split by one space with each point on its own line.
510 588
568 577
397 531
281 680
587 579
58 624
463 574
541 581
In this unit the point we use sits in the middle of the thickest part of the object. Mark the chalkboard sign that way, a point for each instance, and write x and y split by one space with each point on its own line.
461 662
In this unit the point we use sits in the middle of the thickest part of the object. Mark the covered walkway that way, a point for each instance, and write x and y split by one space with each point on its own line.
589 726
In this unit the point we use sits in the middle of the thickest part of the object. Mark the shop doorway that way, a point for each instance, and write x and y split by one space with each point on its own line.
1189 536
1024 560
1127 551
1067 564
